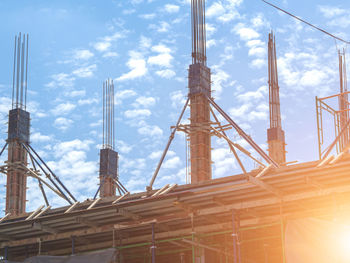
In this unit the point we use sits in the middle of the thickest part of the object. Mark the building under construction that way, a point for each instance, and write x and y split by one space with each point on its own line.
262 215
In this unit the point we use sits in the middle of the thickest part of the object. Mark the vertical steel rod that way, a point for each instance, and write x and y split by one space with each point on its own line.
14 71
26 83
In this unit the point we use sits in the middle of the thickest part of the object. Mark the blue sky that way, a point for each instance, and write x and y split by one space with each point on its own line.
145 46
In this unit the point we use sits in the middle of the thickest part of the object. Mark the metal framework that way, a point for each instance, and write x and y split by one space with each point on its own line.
338 107
240 218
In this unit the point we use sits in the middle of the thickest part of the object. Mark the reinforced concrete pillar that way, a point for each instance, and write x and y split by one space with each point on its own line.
200 138
16 186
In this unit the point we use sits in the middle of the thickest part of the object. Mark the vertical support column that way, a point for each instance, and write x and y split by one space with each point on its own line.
153 247
108 172
16 187
200 138
282 235
275 134
73 244
236 245
6 256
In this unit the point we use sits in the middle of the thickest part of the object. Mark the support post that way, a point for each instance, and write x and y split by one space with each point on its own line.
6 253
236 246
153 247
73 245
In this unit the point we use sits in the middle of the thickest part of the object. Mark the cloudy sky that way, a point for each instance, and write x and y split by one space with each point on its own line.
145 46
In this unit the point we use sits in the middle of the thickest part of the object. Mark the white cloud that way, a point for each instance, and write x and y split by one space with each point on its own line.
172 163
170 8
61 80
102 46
124 94
106 42
38 137
249 96
123 147
150 130
145 102
63 123
216 9
155 155
83 54
87 101
137 66
85 72
148 16
63 108
218 78
245 33
313 78
163 60
178 99
137 113
166 73
75 93
162 27
331 11
63 148
110 54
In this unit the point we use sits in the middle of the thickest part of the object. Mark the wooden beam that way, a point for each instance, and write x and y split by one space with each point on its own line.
94 203
85 221
263 185
6 237
189 209
71 207
5 217
125 213
42 212
313 182
121 198
47 229
35 212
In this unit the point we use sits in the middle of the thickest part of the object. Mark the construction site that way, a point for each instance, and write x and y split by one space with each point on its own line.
273 213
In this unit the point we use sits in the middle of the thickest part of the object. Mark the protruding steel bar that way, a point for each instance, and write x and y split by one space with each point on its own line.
48 176
18 67
3 148
103 115
243 134
171 137
231 147
26 83
14 72
22 75
40 184
61 193
53 174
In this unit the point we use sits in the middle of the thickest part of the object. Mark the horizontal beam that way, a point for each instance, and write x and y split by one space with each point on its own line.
263 185
47 229
125 213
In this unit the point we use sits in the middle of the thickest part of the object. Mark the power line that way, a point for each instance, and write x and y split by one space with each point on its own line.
320 29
